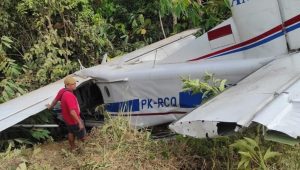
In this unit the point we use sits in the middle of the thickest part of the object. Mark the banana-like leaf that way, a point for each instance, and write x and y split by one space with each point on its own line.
269 154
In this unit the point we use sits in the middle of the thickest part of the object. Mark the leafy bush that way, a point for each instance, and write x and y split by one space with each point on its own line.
209 87
10 71
40 134
252 154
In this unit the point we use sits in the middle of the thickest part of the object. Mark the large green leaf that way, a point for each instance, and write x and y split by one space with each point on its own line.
269 154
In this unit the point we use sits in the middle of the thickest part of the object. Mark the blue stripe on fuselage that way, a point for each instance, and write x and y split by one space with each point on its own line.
189 100
127 106
186 100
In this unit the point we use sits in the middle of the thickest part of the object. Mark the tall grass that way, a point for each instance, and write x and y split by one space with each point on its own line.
113 146
116 145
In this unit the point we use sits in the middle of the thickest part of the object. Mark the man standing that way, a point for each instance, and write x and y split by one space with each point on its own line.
70 111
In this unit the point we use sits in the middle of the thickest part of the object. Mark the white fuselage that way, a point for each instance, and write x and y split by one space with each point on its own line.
148 88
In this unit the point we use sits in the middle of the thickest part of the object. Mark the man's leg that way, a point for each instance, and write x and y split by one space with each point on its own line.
71 139
83 135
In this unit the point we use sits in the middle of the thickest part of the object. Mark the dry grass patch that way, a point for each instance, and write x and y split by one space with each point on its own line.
117 146
113 146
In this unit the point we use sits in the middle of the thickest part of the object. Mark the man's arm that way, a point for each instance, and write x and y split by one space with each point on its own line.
76 117
50 106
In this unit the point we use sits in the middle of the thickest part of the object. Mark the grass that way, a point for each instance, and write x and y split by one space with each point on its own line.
113 146
117 146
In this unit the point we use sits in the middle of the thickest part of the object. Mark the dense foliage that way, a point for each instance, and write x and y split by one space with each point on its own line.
42 41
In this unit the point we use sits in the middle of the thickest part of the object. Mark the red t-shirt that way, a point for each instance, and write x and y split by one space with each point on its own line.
68 102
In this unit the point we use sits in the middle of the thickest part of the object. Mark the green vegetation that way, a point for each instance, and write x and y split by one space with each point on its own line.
251 152
42 41
209 86
116 145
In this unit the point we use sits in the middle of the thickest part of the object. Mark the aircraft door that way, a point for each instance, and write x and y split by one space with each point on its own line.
89 96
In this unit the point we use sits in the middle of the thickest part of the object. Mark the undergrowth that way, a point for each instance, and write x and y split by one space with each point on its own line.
116 145
113 146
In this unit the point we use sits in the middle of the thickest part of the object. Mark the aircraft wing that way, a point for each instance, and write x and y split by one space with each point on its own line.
20 108
269 96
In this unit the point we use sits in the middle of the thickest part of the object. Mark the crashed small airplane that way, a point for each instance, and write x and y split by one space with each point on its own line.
255 49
